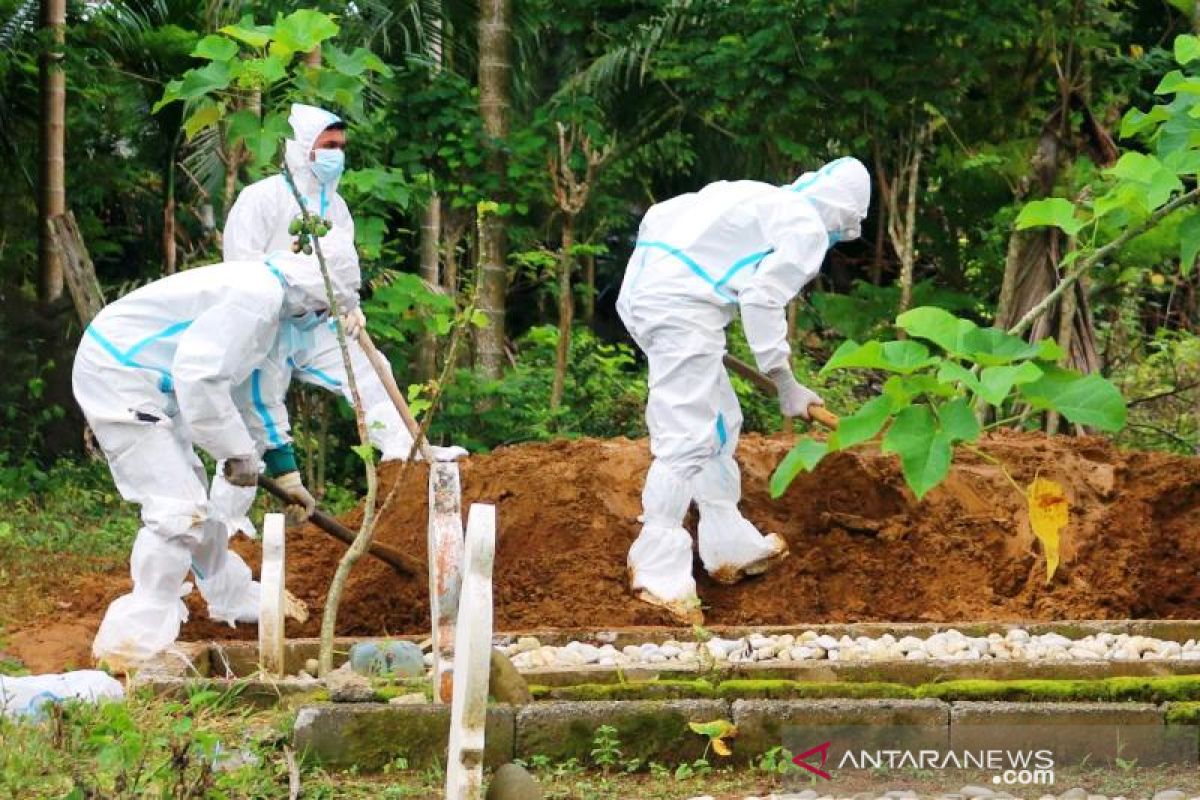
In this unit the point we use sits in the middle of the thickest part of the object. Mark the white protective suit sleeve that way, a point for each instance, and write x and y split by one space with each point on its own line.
320 364
219 351
799 241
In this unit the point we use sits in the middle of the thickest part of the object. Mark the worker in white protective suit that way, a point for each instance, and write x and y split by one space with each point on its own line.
156 374
257 227
699 258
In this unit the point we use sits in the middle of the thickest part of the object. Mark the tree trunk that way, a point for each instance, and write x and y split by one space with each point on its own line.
431 224
589 279
495 68
908 254
54 110
169 250
566 310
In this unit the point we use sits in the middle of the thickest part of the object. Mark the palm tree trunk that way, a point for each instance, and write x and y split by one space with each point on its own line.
589 299
431 227
495 69
566 310
54 111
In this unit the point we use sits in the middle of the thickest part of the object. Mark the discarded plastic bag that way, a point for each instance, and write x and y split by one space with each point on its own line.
28 695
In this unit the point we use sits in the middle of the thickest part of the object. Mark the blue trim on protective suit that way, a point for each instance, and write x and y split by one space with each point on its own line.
753 259
324 377
722 433
165 384
261 408
691 264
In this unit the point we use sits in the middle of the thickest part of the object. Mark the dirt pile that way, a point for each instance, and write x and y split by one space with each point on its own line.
862 547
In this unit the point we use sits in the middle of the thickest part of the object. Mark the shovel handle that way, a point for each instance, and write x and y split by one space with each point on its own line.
393 391
403 564
823 416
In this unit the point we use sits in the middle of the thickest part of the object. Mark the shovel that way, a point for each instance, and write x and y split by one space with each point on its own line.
818 414
405 565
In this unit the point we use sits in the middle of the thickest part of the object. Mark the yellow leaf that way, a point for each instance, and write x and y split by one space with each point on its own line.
1049 513
717 732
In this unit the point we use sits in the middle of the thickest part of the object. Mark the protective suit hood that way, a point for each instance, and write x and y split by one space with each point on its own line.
308 122
840 192
305 285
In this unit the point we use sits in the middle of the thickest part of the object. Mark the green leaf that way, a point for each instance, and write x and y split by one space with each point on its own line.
247 32
301 31
863 424
1082 399
805 455
215 48
354 63
992 346
924 450
938 326
903 356
364 451
1053 211
958 421
951 371
1187 46
208 113
1183 162
240 126
212 77
1189 243
1135 167
997 382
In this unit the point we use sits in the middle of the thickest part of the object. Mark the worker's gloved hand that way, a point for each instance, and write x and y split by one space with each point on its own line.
794 397
354 322
242 470
305 503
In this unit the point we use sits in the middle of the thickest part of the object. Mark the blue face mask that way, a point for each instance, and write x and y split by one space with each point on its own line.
834 237
310 320
328 165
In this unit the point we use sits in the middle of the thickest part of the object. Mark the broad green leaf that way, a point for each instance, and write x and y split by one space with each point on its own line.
1135 166
212 77
1082 399
1187 46
208 113
354 63
805 455
364 451
241 125
1048 349
997 382
264 143
301 31
262 73
863 424
951 371
1189 243
958 421
902 356
247 32
215 48
1053 211
1183 162
938 326
170 95
924 450
1135 121
992 346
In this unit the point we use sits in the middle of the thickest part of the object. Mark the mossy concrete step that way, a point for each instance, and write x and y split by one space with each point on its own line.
370 735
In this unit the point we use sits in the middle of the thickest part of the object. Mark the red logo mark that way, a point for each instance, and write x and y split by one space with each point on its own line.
823 749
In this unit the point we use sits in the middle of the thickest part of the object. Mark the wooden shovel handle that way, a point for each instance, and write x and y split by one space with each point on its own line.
818 414
403 564
823 416
393 391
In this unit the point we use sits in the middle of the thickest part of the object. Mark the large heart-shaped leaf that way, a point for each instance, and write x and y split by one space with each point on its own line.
1082 399
805 455
923 448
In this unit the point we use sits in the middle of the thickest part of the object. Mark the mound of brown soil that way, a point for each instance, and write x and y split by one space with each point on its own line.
862 547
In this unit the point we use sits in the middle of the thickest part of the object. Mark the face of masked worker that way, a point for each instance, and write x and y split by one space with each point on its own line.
329 155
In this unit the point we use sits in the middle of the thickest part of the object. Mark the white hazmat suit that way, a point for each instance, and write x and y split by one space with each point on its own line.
156 373
698 259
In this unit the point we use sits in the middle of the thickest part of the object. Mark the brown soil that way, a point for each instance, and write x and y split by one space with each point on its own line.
862 547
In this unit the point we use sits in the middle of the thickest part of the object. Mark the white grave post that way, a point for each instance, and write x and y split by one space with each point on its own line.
271 602
472 659
445 570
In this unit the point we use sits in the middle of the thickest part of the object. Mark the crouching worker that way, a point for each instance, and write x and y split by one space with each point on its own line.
699 258
158 373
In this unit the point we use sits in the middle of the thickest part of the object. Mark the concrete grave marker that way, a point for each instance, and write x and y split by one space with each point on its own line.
472 659
445 570
271 603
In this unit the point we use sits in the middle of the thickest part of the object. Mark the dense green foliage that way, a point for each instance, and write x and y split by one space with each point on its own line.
172 105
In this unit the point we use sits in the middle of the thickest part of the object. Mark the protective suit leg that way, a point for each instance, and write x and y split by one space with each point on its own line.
153 466
731 547
224 579
680 414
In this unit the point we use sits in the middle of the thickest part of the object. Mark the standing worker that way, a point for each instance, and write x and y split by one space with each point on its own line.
156 374
698 259
258 226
